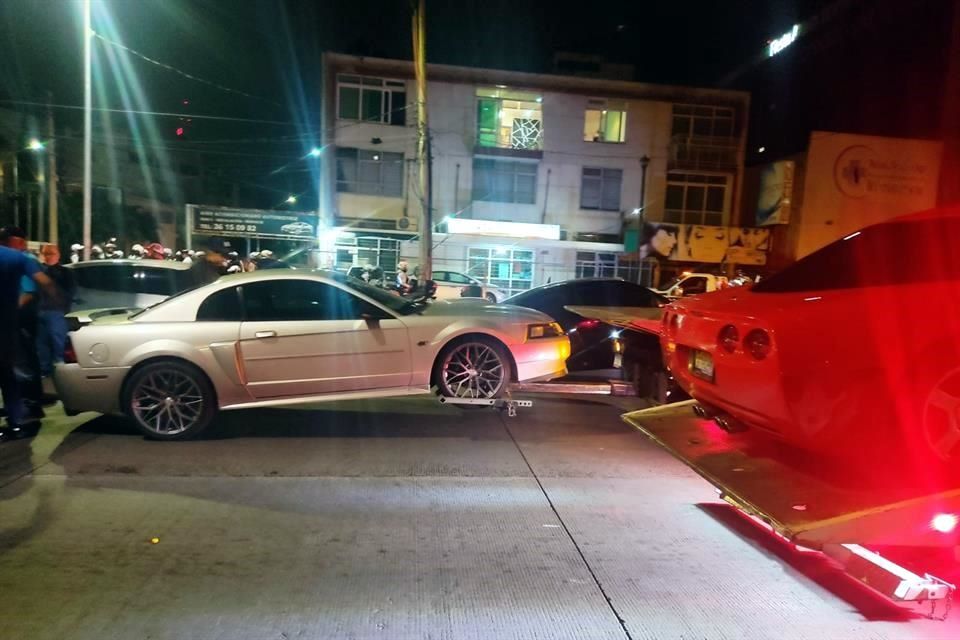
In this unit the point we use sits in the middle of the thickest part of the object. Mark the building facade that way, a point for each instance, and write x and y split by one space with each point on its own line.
535 178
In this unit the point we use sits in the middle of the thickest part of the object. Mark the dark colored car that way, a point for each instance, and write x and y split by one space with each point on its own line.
591 341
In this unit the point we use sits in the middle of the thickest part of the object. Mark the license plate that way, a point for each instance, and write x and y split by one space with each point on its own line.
702 364
617 360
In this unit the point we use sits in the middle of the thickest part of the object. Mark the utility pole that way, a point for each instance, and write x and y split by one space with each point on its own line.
642 213
423 142
52 211
87 130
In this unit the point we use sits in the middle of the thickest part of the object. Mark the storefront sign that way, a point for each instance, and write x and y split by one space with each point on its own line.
504 229
776 193
701 243
779 44
254 223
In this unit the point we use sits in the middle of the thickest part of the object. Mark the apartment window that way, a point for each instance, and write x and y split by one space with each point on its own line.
600 189
696 198
371 100
502 267
605 121
375 173
509 119
504 181
702 121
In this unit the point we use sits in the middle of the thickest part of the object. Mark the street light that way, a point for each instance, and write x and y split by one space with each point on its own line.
291 199
315 152
35 145
641 211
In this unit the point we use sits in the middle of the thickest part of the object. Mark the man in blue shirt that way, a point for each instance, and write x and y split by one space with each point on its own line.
14 266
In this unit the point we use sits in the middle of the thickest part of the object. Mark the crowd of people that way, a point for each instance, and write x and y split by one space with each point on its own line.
234 262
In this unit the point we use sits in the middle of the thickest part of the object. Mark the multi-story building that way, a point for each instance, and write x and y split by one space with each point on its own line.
534 177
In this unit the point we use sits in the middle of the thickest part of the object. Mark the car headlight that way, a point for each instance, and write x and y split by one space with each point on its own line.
546 330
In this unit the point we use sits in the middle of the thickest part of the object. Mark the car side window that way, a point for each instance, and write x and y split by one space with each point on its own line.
155 280
440 276
298 300
457 278
221 306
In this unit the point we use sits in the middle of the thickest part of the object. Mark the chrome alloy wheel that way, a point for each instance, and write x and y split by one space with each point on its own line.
167 403
473 370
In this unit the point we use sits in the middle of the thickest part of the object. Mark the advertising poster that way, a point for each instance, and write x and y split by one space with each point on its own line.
255 223
702 243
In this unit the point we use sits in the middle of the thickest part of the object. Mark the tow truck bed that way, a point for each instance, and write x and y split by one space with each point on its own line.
802 498
816 505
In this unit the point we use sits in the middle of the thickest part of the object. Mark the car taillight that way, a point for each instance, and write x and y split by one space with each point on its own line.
588 324
728 338
757 344
944 522
69 355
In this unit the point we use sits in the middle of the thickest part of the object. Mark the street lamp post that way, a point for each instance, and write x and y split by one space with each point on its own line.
641 211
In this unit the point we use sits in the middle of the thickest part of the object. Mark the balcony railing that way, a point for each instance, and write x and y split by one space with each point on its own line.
702 152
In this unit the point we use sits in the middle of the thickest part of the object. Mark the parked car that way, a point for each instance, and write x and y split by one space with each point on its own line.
283 337
453 284
591 341
134 284
692 284
855 346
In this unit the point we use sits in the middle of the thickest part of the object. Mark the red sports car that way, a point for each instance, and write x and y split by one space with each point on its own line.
855 345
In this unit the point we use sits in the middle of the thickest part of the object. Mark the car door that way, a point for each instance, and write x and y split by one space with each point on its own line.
306 337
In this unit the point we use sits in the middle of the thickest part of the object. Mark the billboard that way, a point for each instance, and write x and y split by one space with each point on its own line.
252 223
702 243
776 193
853 181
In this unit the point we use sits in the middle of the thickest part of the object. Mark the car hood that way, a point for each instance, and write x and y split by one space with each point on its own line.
740 302
476 307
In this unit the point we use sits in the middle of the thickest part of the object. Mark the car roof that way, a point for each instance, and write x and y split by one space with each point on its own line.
150 264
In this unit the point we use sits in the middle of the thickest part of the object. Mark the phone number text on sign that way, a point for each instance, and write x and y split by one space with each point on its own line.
216 226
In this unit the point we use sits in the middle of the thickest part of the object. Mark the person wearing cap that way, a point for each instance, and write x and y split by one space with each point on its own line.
75 251
403 279
16 266
212 263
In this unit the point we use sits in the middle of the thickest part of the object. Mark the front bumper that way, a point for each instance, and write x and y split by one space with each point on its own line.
94 389
541 359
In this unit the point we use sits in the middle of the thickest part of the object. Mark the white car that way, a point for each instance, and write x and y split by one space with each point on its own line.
453 284
284 337
134 284
297 228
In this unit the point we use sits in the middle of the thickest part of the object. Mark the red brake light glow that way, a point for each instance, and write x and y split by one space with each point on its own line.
757 344
728 338
588 324
944 522
69 355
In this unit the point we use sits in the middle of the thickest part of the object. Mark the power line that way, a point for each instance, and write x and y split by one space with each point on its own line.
165 114
180 72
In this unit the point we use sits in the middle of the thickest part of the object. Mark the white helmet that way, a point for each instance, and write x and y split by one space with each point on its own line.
76 247
266 253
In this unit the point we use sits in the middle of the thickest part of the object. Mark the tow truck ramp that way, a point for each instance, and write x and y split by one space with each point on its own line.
819 506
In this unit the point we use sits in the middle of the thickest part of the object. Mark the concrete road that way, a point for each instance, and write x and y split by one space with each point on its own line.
395 520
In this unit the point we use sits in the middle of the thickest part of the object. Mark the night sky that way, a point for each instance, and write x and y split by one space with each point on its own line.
270 49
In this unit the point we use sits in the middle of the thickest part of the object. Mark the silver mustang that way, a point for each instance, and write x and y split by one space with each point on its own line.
284 337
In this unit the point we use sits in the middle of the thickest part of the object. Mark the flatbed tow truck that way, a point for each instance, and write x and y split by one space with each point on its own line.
813 504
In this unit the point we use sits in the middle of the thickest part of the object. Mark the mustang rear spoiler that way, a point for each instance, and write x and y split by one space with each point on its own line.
646 319
80 319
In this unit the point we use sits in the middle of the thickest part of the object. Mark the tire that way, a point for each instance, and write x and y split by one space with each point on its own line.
169 400
472 367
492 299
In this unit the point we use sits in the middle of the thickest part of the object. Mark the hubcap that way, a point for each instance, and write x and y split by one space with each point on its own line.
473 370
941 417
167 402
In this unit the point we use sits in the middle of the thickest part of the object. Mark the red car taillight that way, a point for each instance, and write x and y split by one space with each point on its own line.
588 324
757 344
69 355
728 338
